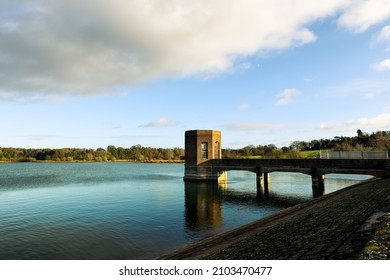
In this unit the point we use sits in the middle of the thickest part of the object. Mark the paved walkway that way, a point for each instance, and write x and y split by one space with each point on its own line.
353 223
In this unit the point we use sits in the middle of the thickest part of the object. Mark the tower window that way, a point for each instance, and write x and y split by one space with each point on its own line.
205 150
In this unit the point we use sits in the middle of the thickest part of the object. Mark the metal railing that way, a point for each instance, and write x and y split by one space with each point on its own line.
355 155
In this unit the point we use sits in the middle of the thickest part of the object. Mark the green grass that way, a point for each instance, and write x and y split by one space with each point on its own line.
303 154
309 154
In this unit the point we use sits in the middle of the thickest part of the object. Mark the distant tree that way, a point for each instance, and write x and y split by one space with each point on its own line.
298 146
120 153
112 150
314 145
381 139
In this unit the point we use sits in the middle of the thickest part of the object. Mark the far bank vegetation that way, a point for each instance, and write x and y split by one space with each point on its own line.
363 141
112 153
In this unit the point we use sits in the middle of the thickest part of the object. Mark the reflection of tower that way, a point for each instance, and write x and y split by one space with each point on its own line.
202 206
201 146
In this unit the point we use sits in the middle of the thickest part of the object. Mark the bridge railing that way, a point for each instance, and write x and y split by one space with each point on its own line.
355 155
374 167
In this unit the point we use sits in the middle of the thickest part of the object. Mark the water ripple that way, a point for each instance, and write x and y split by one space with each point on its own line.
124 211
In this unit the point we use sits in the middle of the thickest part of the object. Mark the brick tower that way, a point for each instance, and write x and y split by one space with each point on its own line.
201 146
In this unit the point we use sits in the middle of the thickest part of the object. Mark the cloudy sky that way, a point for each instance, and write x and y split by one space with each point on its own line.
95 73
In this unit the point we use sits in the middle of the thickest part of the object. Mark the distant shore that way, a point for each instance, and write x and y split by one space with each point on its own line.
92 161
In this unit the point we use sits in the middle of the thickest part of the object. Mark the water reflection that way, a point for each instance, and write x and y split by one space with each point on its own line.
128 210
202 206
208 205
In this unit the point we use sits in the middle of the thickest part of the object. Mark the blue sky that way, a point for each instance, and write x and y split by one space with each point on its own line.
122 73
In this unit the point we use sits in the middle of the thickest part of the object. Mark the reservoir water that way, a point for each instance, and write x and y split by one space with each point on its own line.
130 210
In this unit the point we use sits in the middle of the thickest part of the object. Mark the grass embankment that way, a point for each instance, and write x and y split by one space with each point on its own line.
296 154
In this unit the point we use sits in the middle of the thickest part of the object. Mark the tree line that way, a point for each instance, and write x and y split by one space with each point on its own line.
363 141
111 153
379 140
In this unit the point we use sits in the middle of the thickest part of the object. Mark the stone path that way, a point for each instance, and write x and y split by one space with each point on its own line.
373 236
340 225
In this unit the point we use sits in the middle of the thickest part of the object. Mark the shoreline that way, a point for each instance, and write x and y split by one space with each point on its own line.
94 161
259 236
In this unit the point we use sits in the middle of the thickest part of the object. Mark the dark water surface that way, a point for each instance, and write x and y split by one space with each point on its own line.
129 210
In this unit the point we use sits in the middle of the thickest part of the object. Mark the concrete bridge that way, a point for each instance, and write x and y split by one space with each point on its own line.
204 163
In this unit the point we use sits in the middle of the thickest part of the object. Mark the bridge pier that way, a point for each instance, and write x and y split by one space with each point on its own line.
262 184
259 184
318 185
222 177
267 183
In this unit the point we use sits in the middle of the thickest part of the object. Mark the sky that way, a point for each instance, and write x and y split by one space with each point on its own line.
93 73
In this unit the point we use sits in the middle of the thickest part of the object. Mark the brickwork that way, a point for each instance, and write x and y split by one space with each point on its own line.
193 142
196 158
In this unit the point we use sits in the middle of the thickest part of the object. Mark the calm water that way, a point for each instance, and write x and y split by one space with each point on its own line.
129 210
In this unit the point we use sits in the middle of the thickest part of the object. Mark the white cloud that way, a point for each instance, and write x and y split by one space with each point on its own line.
287 96
383 35
98 46
360 89
244 106
135 136
383 65
369 95
254 126
359 15
161 122
378 122
242 67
